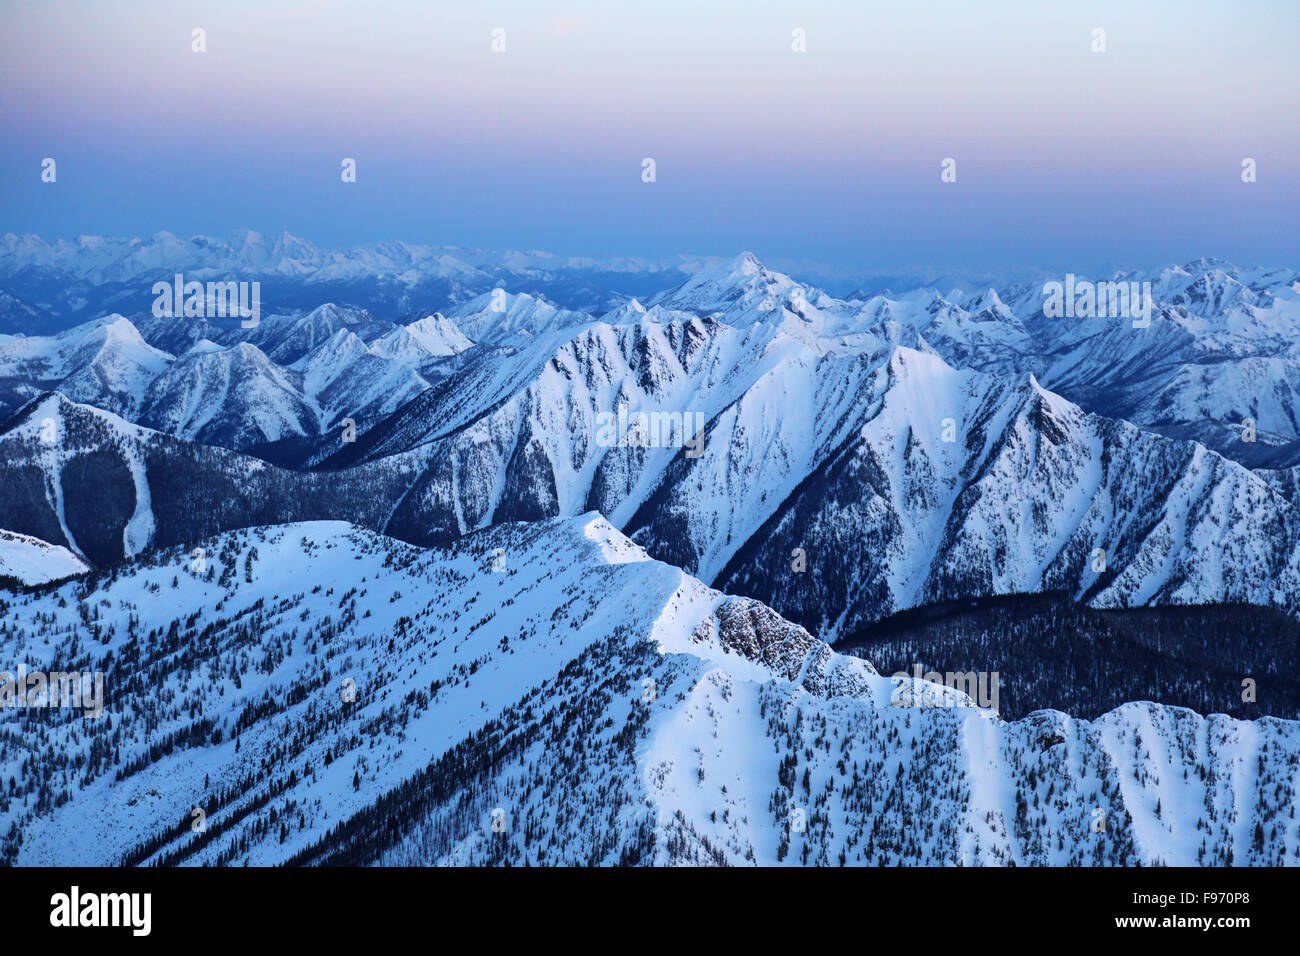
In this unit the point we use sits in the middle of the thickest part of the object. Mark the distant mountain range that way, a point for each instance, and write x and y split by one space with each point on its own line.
67 281
62 282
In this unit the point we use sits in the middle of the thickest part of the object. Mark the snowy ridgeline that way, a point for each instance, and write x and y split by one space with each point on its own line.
837 488
1220 346
30 560
546 693
897 450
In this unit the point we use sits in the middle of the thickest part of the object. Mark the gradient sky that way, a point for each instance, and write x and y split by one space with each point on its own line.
1065 157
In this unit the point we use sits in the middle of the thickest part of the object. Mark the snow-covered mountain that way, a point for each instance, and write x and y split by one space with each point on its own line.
21 318
314 693
1033 495
434 336
500 315
105 363
898 479
845 470
1221 347
290 338
106 259
228 391
231 396
86 480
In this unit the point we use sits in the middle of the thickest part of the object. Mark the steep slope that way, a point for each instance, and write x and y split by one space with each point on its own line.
845 471
234 397
105 363
1221 347
1030 494
977 331
346 379
287 338
581 705
534 432
222 389
898 479
433 337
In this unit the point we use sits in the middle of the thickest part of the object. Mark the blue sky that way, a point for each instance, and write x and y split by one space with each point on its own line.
1065 157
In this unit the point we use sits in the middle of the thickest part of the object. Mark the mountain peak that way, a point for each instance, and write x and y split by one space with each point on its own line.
203 347
988 300
242 238
746 264
743 284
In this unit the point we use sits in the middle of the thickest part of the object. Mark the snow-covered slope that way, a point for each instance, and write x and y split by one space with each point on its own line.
288 338
498 314
106 489
347 379
434 336
889 448
1221 346
105 363
227 390
900 479
318 694
235 397
1031 493
33 561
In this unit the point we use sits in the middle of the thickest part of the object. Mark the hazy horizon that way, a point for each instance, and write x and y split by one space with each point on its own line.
1065 157
836 278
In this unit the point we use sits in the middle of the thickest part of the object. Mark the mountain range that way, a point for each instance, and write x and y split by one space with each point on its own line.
414 448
